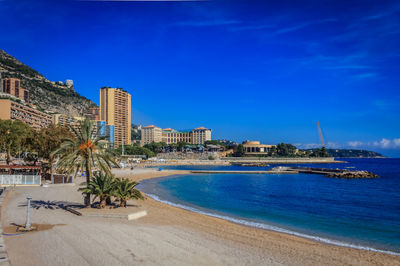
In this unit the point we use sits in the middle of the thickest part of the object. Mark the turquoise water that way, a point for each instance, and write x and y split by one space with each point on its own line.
363 213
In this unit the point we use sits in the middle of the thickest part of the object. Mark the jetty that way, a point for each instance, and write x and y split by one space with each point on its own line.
275 171
337 173
264 161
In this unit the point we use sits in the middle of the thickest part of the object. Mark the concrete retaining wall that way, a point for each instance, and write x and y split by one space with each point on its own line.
4 261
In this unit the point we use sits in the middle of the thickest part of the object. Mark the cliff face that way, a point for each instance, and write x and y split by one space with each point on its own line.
47 95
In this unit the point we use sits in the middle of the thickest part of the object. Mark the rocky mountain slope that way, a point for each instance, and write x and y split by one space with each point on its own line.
47 95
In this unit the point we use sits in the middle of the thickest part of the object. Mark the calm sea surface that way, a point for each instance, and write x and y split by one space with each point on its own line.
363 213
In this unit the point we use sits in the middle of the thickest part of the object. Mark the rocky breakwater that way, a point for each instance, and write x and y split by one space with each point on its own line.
352 174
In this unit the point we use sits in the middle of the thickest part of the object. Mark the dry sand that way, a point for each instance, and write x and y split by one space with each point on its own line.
166 236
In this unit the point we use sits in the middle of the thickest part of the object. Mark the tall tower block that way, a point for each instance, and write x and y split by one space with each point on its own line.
115 109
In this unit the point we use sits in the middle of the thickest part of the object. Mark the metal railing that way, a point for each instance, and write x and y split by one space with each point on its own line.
6 180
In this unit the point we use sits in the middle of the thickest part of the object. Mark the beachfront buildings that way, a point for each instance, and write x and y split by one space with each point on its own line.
256 148
11 109
168 135
115 110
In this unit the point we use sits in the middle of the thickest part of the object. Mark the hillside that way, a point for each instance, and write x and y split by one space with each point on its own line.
47 95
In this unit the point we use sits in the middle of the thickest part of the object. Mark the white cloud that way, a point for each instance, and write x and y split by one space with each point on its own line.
329 145
307 145
382 144
355 144
396 142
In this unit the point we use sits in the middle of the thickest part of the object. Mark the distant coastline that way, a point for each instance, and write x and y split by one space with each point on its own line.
352 153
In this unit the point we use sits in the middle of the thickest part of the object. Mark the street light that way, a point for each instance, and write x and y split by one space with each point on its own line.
28 213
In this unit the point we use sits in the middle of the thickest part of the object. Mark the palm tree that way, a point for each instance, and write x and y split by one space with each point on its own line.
125 189
84 152
102 186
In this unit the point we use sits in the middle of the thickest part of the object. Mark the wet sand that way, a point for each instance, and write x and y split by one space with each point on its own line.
166 236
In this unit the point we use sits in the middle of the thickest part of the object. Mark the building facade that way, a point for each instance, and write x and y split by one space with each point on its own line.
200 135
10 109
99 127
256 148
168 135
150 134
115 109
13 87
65 120
93 113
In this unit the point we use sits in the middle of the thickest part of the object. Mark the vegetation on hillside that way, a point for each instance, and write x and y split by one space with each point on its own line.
136 133
351 153
47 95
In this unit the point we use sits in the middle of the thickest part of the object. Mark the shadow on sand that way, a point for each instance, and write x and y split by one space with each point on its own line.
53 205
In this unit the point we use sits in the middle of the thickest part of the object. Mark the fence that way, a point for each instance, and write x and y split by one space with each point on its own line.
6 180
62 179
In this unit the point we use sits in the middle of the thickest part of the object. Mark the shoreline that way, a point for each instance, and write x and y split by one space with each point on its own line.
167 235
256 225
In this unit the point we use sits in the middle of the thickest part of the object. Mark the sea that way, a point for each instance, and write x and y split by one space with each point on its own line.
358 213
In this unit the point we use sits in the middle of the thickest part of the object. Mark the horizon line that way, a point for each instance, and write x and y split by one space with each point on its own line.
141 0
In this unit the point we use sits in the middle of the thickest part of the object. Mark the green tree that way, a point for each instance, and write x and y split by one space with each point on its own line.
125 189
84 152
272 151
320 153
240 151
155 147
13 136
47 140
286 150
215 142
135 149
181 145
102 185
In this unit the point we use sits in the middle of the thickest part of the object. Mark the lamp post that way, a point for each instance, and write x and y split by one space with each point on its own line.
28 213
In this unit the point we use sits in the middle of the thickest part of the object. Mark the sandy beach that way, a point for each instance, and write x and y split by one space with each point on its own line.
166 236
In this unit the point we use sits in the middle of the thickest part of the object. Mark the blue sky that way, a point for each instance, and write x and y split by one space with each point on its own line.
258 70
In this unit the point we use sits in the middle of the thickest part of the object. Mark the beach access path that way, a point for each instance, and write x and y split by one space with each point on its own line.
166 236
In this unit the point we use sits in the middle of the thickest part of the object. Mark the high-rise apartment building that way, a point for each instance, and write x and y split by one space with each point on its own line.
13 87
115 109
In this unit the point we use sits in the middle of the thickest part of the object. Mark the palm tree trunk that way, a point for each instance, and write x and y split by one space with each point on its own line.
87 197
51 170
108 201
102 204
